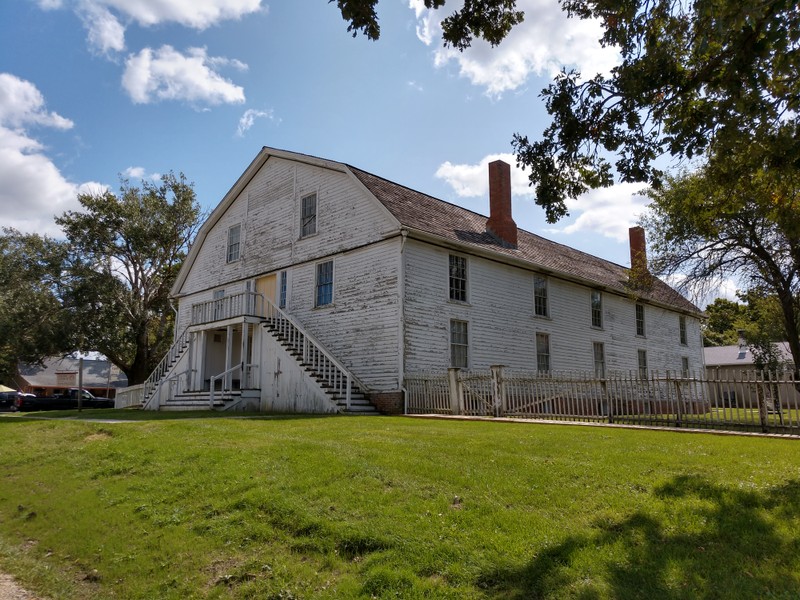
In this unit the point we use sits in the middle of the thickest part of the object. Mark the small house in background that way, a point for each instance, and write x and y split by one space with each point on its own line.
733 377
57 374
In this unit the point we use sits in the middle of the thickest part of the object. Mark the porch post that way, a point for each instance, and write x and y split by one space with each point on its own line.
200 372
228 356
245 374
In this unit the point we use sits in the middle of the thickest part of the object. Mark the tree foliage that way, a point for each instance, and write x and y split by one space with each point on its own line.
125 252
707 77
747 229
490 20
32 322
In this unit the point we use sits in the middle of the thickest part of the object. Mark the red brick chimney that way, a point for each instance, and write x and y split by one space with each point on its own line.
638 252
500 224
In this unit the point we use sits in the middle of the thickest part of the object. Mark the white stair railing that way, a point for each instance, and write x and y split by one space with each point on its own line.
311 352
152 384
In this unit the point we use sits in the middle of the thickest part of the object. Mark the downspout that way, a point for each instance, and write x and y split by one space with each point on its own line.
402 328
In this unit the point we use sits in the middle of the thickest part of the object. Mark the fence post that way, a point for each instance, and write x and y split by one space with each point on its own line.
498 391
456 392
678 399
762 402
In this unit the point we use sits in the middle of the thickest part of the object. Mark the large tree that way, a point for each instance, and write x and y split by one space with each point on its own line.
125 252
747 229
32 322
709 78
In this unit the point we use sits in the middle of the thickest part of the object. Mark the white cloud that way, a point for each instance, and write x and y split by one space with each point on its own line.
473 180
33 189
606 211
249 118
166 74
106 20
140 173
540 45
106 34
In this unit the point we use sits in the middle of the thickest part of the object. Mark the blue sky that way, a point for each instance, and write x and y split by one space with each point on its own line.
90 89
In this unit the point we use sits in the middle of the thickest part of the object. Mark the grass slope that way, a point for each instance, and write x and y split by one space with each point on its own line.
393 507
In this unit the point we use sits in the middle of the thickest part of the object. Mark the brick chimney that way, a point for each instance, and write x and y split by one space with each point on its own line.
500 224
639 270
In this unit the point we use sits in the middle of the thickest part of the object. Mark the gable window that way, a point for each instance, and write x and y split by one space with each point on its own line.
324 286
540 295
599 359
282 290
597 308
682 328
543 353
642 364
640 320
459 344
308 223
458 278
234 239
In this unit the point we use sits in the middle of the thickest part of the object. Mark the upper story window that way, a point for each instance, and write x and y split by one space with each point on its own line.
640 330
458 278
308 222
597 308
234 242
324 284
682 328
459 344
540 295
543 353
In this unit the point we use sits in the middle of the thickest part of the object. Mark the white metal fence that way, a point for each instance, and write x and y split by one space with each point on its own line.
745 401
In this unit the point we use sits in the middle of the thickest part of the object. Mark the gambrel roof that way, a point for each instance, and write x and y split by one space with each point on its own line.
441 222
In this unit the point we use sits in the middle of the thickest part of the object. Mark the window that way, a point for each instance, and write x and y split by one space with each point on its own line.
682 327
234 237
282 290
458 278
640 320
597 308
642 364
459 344
324 286
684 366
542 353
540 296
308 223
599 359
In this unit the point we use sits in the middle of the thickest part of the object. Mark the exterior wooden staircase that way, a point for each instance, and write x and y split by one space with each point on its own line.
343 388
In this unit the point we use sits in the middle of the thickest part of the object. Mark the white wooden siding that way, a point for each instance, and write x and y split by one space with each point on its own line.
503 327
269 210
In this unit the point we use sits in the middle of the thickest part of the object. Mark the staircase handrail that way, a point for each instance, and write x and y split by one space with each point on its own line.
272 311
153 383
213 379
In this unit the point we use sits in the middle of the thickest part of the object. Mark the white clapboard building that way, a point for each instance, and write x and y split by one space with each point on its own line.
315 286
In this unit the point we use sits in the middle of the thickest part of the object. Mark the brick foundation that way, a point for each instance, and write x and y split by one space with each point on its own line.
389 403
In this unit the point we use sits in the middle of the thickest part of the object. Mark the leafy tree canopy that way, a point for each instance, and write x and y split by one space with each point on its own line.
747 229
125 252
490 20
32 322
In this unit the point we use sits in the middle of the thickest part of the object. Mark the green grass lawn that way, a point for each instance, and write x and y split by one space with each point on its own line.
393 508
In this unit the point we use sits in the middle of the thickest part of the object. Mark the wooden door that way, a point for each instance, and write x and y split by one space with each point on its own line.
266 286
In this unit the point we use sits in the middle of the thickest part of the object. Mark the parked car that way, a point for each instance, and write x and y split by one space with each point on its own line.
66 401
7 400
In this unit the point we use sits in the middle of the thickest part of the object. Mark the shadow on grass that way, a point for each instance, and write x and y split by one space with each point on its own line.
707 541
